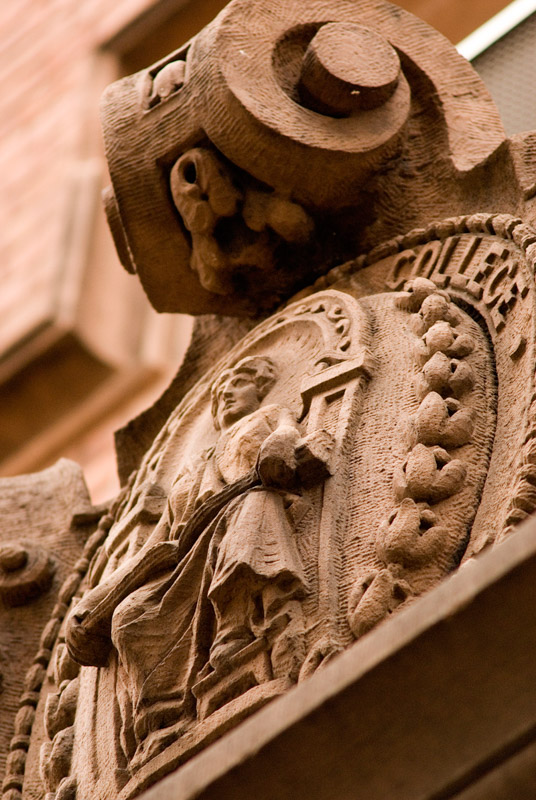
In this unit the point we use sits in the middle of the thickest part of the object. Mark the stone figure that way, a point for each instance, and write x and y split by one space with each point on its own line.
249 573
257 563
207 609
317 170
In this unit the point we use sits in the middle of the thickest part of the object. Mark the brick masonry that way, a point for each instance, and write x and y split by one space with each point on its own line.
48 98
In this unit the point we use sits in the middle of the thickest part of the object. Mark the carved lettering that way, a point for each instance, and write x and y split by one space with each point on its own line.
494 276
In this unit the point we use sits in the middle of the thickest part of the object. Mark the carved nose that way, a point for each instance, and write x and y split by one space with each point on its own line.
347 68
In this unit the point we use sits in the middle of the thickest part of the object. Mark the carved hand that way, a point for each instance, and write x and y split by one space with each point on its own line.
276 464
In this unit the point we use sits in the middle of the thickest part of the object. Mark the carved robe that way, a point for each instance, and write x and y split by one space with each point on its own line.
163 631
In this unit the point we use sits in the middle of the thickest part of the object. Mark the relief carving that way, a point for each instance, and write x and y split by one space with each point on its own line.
209 607
415 545
243 579
236 227
290 136
25 572
354 448
329 471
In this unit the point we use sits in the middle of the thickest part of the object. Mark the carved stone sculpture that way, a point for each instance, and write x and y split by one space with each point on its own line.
336 174
228 577
285 137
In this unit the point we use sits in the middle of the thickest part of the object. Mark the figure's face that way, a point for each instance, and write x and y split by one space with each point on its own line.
237 398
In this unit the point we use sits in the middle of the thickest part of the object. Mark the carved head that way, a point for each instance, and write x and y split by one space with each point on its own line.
240 390
234 144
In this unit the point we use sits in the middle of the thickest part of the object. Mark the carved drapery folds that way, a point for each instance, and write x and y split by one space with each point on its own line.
230 596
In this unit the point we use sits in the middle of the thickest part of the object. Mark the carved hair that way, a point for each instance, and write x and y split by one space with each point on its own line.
261 369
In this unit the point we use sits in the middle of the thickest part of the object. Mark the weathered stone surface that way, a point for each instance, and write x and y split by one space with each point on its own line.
255 192
319 467
437 703
212 337
228 574
38 548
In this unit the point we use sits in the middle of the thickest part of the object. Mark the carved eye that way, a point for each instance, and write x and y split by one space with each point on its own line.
239 382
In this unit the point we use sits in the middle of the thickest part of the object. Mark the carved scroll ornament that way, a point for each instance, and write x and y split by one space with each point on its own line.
283 138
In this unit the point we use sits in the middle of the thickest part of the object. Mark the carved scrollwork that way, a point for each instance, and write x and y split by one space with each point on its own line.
303 107
335 78
26 571
331 468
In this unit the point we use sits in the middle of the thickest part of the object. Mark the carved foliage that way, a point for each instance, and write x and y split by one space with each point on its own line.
434 490
414 537
487 262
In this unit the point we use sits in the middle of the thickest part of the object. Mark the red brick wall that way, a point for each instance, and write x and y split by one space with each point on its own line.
49 95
